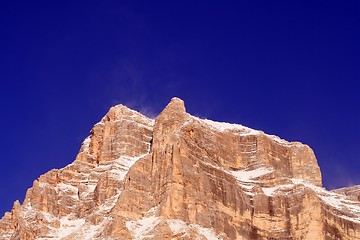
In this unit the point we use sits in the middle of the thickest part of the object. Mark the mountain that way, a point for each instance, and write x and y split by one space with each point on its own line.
182 177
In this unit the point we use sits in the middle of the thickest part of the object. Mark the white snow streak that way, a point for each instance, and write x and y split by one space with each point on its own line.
223 127
270 191
86 144
338 201
335 200
247 176
179 226
68 226
176 226
207 232
142 227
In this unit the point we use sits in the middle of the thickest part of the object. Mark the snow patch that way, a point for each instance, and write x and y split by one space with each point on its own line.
68 226
178 226
247 176
86 144
117 169
270 191
335 200
142 227
91 230
125 164
207 232
222 127
67 188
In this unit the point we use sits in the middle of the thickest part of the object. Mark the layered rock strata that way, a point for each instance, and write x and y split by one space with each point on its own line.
181 177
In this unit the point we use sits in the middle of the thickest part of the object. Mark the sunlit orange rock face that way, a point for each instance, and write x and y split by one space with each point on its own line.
181 177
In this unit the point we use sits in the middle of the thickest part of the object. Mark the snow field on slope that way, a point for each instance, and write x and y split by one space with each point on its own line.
223 126
140 229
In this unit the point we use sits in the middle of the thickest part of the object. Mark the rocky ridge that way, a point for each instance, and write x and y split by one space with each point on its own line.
181 177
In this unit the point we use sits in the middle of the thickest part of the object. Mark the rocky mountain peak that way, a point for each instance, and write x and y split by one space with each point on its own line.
174 111
170 120
176 104
117 112
182 177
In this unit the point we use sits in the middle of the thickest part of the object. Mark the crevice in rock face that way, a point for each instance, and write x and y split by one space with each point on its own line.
151 145
271 206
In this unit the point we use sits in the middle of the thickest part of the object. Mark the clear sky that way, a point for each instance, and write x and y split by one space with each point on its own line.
289 68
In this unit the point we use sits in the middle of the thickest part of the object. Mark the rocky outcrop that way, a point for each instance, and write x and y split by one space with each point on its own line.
181 177
351 192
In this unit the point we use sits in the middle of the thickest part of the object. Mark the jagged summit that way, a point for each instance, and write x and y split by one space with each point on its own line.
174 110
176 104
182 177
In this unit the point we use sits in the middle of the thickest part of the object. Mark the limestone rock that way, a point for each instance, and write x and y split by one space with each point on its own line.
351 192
181 177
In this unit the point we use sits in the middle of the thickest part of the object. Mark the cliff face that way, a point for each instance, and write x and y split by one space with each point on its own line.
181 177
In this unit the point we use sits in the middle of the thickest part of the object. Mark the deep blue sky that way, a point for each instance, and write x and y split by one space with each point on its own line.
289 68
